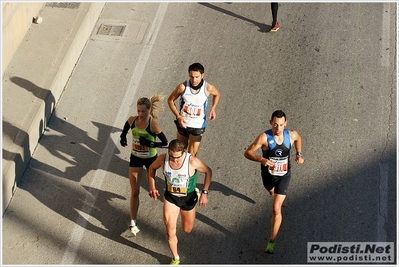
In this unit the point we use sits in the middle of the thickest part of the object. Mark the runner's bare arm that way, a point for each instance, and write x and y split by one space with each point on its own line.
197 164
179 90
211 90
260 142
152 170
296 139
173 96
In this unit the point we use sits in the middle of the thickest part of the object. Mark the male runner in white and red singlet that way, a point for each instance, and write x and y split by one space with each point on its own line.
191 113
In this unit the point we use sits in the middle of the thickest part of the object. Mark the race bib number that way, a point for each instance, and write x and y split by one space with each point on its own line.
280 167
192 111
177 190
177 187
140 150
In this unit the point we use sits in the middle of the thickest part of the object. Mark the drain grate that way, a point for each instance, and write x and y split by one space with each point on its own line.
63 5
111 30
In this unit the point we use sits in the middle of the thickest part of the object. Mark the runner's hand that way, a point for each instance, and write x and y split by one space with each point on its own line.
123 141
181 122
203 200
266 162
154 194
145 142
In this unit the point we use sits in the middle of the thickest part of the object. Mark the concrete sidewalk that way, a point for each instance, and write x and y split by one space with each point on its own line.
35 79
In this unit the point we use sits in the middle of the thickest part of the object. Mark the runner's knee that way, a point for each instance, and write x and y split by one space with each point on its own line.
187 228
276 210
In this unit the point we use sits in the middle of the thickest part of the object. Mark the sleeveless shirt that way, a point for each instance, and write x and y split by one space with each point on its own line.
193 106
178 181
278 154
140 150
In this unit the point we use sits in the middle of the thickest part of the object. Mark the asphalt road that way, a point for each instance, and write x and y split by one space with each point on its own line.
331 67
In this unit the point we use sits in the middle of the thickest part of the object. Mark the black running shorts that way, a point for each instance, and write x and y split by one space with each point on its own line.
140 162
188 130
185 203
280 183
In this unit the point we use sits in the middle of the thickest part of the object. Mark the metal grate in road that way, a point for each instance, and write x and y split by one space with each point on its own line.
111 30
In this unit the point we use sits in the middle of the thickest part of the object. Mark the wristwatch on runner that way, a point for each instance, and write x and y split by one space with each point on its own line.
299 154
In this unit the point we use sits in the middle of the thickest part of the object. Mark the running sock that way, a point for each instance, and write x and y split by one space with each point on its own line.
133 223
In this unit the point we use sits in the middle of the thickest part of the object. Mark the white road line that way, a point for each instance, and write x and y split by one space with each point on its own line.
383 203
385 49
78 231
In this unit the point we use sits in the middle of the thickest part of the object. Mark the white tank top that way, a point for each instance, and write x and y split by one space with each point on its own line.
177 180
193 106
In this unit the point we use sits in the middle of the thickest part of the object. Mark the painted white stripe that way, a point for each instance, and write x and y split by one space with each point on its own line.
99 176
385 49
382 214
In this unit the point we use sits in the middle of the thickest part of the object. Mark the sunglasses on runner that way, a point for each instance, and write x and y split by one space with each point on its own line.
173 157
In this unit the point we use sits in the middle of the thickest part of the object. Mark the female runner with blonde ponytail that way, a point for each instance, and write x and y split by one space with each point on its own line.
145 129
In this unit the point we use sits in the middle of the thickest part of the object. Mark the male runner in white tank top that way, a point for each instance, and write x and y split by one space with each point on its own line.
191 113
180 169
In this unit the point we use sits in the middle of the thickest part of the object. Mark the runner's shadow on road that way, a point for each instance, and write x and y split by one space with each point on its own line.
215 186
114 225
262 27
75 153
205 219
76 202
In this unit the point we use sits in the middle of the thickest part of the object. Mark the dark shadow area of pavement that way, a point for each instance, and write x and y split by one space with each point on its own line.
312 214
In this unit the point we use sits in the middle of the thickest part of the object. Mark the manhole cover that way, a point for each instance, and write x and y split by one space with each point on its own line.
111 30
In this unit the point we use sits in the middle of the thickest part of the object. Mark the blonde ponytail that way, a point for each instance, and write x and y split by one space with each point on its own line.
152 104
